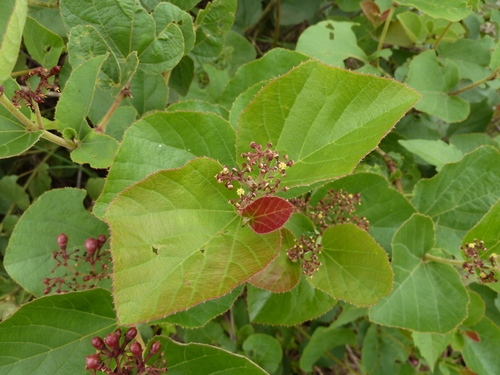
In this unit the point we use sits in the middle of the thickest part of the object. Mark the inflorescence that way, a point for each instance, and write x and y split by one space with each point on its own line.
36 95
126 358
305 251
337 207
94 254
474 264
268 165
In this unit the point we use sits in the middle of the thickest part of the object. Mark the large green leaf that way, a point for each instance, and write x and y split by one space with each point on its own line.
165 141
423 291
212 23
150 92
29 255
14 138
12 19
330 42
323 340
354 268
302 303
436 153
434 82
201 314
177 242
76 98
460 195
42 44
273 64
203 359
52 335
264 350
325 119
385 208
431 345
95 149
453 10
125 26
482 357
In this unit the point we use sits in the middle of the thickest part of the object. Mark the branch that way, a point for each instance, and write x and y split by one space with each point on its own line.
43 4
472 85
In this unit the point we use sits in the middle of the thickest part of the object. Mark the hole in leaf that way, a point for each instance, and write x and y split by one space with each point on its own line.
331 36
156 250
202 251
330 27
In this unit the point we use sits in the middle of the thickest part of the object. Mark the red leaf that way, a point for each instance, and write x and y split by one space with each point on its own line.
472 335
267 214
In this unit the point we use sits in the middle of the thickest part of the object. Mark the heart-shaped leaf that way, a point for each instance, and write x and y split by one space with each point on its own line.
267 214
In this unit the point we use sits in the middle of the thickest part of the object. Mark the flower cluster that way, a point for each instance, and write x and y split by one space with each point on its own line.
36 95
474 264
337 207
257 175
305 251
94 254
125 358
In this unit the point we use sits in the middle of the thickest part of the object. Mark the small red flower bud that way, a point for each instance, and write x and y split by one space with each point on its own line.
62 240
155 347
46 281
93 362
97 343
131 333
136 349
47 290
55 70
101 240
91 245
112 340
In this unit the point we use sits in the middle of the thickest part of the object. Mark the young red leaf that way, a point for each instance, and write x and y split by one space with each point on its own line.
267 214
472 335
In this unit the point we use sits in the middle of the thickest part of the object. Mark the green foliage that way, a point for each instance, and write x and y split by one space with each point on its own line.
279 186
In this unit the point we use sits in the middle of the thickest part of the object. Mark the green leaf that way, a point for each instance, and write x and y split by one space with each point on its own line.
182 76
281 275
470 56
431 345
178 226
217 81
413 26
211 24
436 286
323 340
354 268
475 310
199 106
95 149
482 357
469 142
166 13
452 10
12 20
126 27
75 101
14 138
243 101
302 303
330 42
325 132
52 335
94 187
150 5
201 314
121 120
264 350
166 141
459 196
150 92
273 64
12 193
434 82
436 153
212 333
42 44
239 49
202 359
29 255
42 181
297 11
385 208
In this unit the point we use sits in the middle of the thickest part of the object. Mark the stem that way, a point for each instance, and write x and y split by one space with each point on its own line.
384 32
392 168
263 15
442 36
58 140
38 116
30 125
472 85
125 92
21 73
43 4
277 27
453 262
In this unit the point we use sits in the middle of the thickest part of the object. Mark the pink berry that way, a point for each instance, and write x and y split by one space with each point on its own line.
97 343
155 347
131 333
101 240
136 349
62 240
112 340
93 362
91 245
